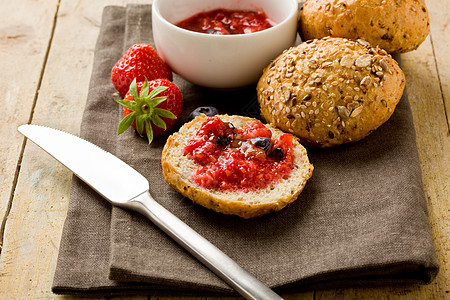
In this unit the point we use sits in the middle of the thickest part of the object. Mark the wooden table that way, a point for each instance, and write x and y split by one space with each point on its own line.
46 55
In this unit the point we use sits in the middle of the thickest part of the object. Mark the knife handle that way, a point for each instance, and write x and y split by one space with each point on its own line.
217 261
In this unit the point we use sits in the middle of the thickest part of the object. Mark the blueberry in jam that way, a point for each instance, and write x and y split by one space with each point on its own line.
262 142
206 110
245 159
277 153
224 140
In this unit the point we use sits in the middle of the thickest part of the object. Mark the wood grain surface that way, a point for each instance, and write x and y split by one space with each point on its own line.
46 55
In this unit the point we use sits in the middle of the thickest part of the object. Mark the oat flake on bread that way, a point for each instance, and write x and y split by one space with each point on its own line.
330 91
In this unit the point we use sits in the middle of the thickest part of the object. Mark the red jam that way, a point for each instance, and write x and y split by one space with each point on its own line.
223 21
232 159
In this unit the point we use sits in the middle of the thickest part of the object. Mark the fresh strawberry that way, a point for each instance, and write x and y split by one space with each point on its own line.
141 61
151 107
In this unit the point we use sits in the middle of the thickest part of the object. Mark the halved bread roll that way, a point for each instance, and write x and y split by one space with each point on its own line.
178 169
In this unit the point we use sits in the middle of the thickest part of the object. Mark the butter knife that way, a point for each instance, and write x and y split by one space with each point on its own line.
123 186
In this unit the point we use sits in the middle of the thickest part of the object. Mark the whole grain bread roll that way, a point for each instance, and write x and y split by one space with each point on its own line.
178 169
330 91
397 26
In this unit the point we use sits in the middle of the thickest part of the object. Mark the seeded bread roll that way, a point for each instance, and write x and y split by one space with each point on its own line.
178 168
330 91
397 26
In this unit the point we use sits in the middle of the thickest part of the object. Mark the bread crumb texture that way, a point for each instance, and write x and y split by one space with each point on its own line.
178 168
397 26
330 91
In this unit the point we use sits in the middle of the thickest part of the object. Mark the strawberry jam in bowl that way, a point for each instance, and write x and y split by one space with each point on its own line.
224 21
226 56
246 159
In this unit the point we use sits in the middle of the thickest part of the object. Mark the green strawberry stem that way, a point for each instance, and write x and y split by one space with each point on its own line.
144 110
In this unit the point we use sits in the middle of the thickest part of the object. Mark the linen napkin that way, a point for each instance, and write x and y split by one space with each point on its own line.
361 220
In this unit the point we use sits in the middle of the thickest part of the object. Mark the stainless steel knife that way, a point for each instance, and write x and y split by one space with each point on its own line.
123 186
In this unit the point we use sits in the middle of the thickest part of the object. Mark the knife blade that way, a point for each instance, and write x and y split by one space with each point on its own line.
123 186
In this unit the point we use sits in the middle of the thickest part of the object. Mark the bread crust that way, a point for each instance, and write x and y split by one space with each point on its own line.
394 25
177 169
330 91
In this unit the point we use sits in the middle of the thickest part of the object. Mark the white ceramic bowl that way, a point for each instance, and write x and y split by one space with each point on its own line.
221 61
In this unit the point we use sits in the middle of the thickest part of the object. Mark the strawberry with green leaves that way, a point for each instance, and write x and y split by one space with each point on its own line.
142 62
151 107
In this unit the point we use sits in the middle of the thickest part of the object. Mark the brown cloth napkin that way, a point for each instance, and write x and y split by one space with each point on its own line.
361 220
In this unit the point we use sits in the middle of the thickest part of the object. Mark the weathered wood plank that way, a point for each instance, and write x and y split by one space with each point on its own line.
440 32
25 30
433 143
427 95
39 207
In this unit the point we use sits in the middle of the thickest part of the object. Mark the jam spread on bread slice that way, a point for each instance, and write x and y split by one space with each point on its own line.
245 159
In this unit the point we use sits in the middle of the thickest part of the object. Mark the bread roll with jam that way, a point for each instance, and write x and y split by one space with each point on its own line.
397 26
330 91
229 164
